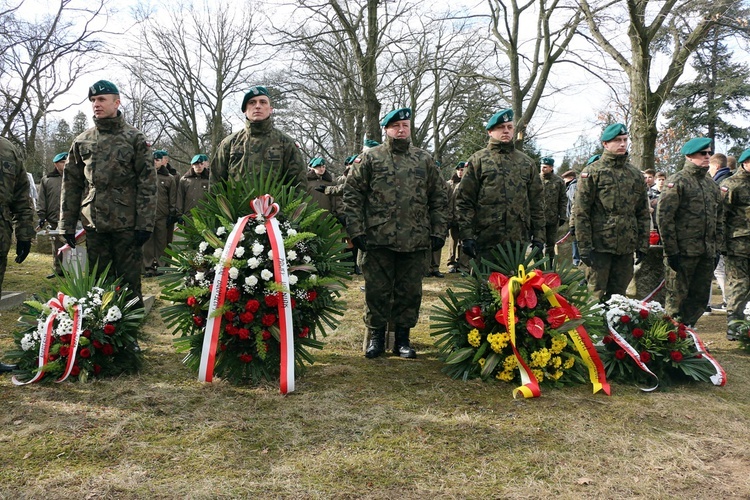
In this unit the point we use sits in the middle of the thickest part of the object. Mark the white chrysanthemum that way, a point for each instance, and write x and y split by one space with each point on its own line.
251 280
218 252
233 273
306 259
292 279
291 255
221 230
239 251
270 254
200 275
242 237
266 274
257 248
113 314
27 342
291 232
203 246
260 229
64 326
253 262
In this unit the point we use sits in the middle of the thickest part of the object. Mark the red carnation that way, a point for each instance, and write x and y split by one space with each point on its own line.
97 369
305 331
65 339
272 300
52 357
243 333
620 354
191 301
231 329
638 332
97 344
246 358
252 306
223 346
645 356
229 316
198 320
312 295
681 327
64 351
294 303
265 334
87 334
247 317
75 371
268 319
682 334
233 294
643 313
608 339
474 317
699 356
625 318
672 337
676 356
84 353
109 328
108 350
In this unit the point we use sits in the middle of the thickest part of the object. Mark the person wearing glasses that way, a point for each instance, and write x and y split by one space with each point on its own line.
690 218
611 216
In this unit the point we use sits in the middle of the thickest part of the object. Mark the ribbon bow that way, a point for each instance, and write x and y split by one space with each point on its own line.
264 206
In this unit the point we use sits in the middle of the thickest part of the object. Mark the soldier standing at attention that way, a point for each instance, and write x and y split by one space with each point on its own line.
259 146
48 207
166 212
457 260
690 218
500 197
555 205
395 204
318 179
611 216
109 182
193 186
735 191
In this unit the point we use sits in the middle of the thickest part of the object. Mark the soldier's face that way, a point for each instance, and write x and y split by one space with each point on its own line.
618 145
59 166
258 108
701 158
320 170
199 167
105 106
400 129
546 169
460 172
503 132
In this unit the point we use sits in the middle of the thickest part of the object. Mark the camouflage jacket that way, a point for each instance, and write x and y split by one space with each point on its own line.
109 180
259 146
394 195
735 191
452 186
191 190
48 205
166 199
555 200
500 197
690 213
323 200
610 208
15 202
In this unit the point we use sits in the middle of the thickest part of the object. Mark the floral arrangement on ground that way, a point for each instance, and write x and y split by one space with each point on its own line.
741 329
548 313
249 347
645 346
87 329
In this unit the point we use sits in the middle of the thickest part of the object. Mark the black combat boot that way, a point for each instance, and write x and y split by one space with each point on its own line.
376 347
401 345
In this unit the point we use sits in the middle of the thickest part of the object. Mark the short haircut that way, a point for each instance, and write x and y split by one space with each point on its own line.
718 159
732 162
660 175
650 171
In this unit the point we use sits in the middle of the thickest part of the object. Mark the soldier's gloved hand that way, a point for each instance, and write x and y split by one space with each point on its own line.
674 262
639 256
141 237
70 239
572 230
538 245
436 242
22 250
41 224
320 189
470 248
561 222
360 242
179 220
587 257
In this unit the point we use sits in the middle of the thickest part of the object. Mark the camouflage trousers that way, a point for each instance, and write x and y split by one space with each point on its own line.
393 286
117 249
6 235
550 238
153 249
689 290
737 286
457 258
609 274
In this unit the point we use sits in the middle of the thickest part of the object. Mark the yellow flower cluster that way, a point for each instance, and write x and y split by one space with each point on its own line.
555 362
555 375
505 375
569 363
482 361
540 358
510 363
474 338
558 344
498 341
539 374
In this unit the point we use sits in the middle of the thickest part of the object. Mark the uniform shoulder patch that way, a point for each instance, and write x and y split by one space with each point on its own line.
724 189
670 184
585 175
299 146
358 160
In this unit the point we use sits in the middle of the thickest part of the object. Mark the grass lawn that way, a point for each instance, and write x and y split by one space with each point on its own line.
358 428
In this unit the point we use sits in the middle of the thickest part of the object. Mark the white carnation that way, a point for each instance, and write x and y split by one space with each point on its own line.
257 248
233 273
266 274
221 231
203 246
251 281
260 229
239 252
253 262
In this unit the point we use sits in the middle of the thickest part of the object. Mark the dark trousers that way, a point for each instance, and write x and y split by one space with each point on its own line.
117 249
688 290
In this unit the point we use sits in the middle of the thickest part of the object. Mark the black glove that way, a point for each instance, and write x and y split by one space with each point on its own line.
587 257
572 230
141 237
470 248
70 239
538 245
179 220
320 189
561 222
639 256
360 242
674 262
437 242
41 224
22 250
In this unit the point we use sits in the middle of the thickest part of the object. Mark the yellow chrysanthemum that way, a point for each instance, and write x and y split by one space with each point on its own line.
505 376
555 375
539 374
555 362
474 338
558 344
510 363
482 361
540 358
569 362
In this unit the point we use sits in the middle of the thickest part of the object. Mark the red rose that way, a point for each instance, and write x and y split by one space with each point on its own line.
229 316
676 356
75 371
643 313
638 332
305 331
198 320
699 356
625 318
682 334
52 357
84 353
247 317
252 306
87 334
246 358
268 319
312 295
97 344
608 339
109 328
233 294
681 327
272 300
97 369
64 351
672 337
231 329
108 350
556 317
645 356
243 333
191 301
65 339
265 334
474 317
620 354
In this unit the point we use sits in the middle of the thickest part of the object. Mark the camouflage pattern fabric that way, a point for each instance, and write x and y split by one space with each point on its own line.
609 274
48 204
689 290
259 146
191 189
555 199
737 287
166 207
735 191
118 249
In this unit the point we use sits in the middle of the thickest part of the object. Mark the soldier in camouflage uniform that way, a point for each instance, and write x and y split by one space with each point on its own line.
395 204
48 207
690 218
611 216
259 146
458 261
109 182
555 205
500 197
166 212
193 186
735 191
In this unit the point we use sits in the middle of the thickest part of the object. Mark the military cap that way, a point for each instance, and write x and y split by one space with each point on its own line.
593 159
350 159
369 143
60 157
164 152
613 131
395 115
503 116
200 158
103 87
548 161
694 145
744 157
460 165
158 154
254 92
317 162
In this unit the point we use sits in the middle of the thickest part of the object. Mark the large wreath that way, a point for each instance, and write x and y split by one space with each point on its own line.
248 325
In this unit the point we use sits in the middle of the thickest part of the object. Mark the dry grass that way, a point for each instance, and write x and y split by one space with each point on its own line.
385 428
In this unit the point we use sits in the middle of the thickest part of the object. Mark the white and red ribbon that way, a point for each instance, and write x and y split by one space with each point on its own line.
656 290
563 239
66 247
720 377
634 355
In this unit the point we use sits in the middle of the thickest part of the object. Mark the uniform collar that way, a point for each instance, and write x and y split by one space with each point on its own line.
110 124
397 145
263 127
502 147
610 158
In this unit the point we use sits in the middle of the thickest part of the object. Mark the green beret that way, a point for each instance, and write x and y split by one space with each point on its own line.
164 152
200 158
694 145
548 161
395 115
460 165
503 116
60 157
369 143
613 131
350 159
593 159
103 87
254 92
317 162
158 154
744 156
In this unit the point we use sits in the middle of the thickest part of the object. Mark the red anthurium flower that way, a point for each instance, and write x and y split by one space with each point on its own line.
620 354
552 280
535 327
498 281
556 317
676 356
474 317
527 296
